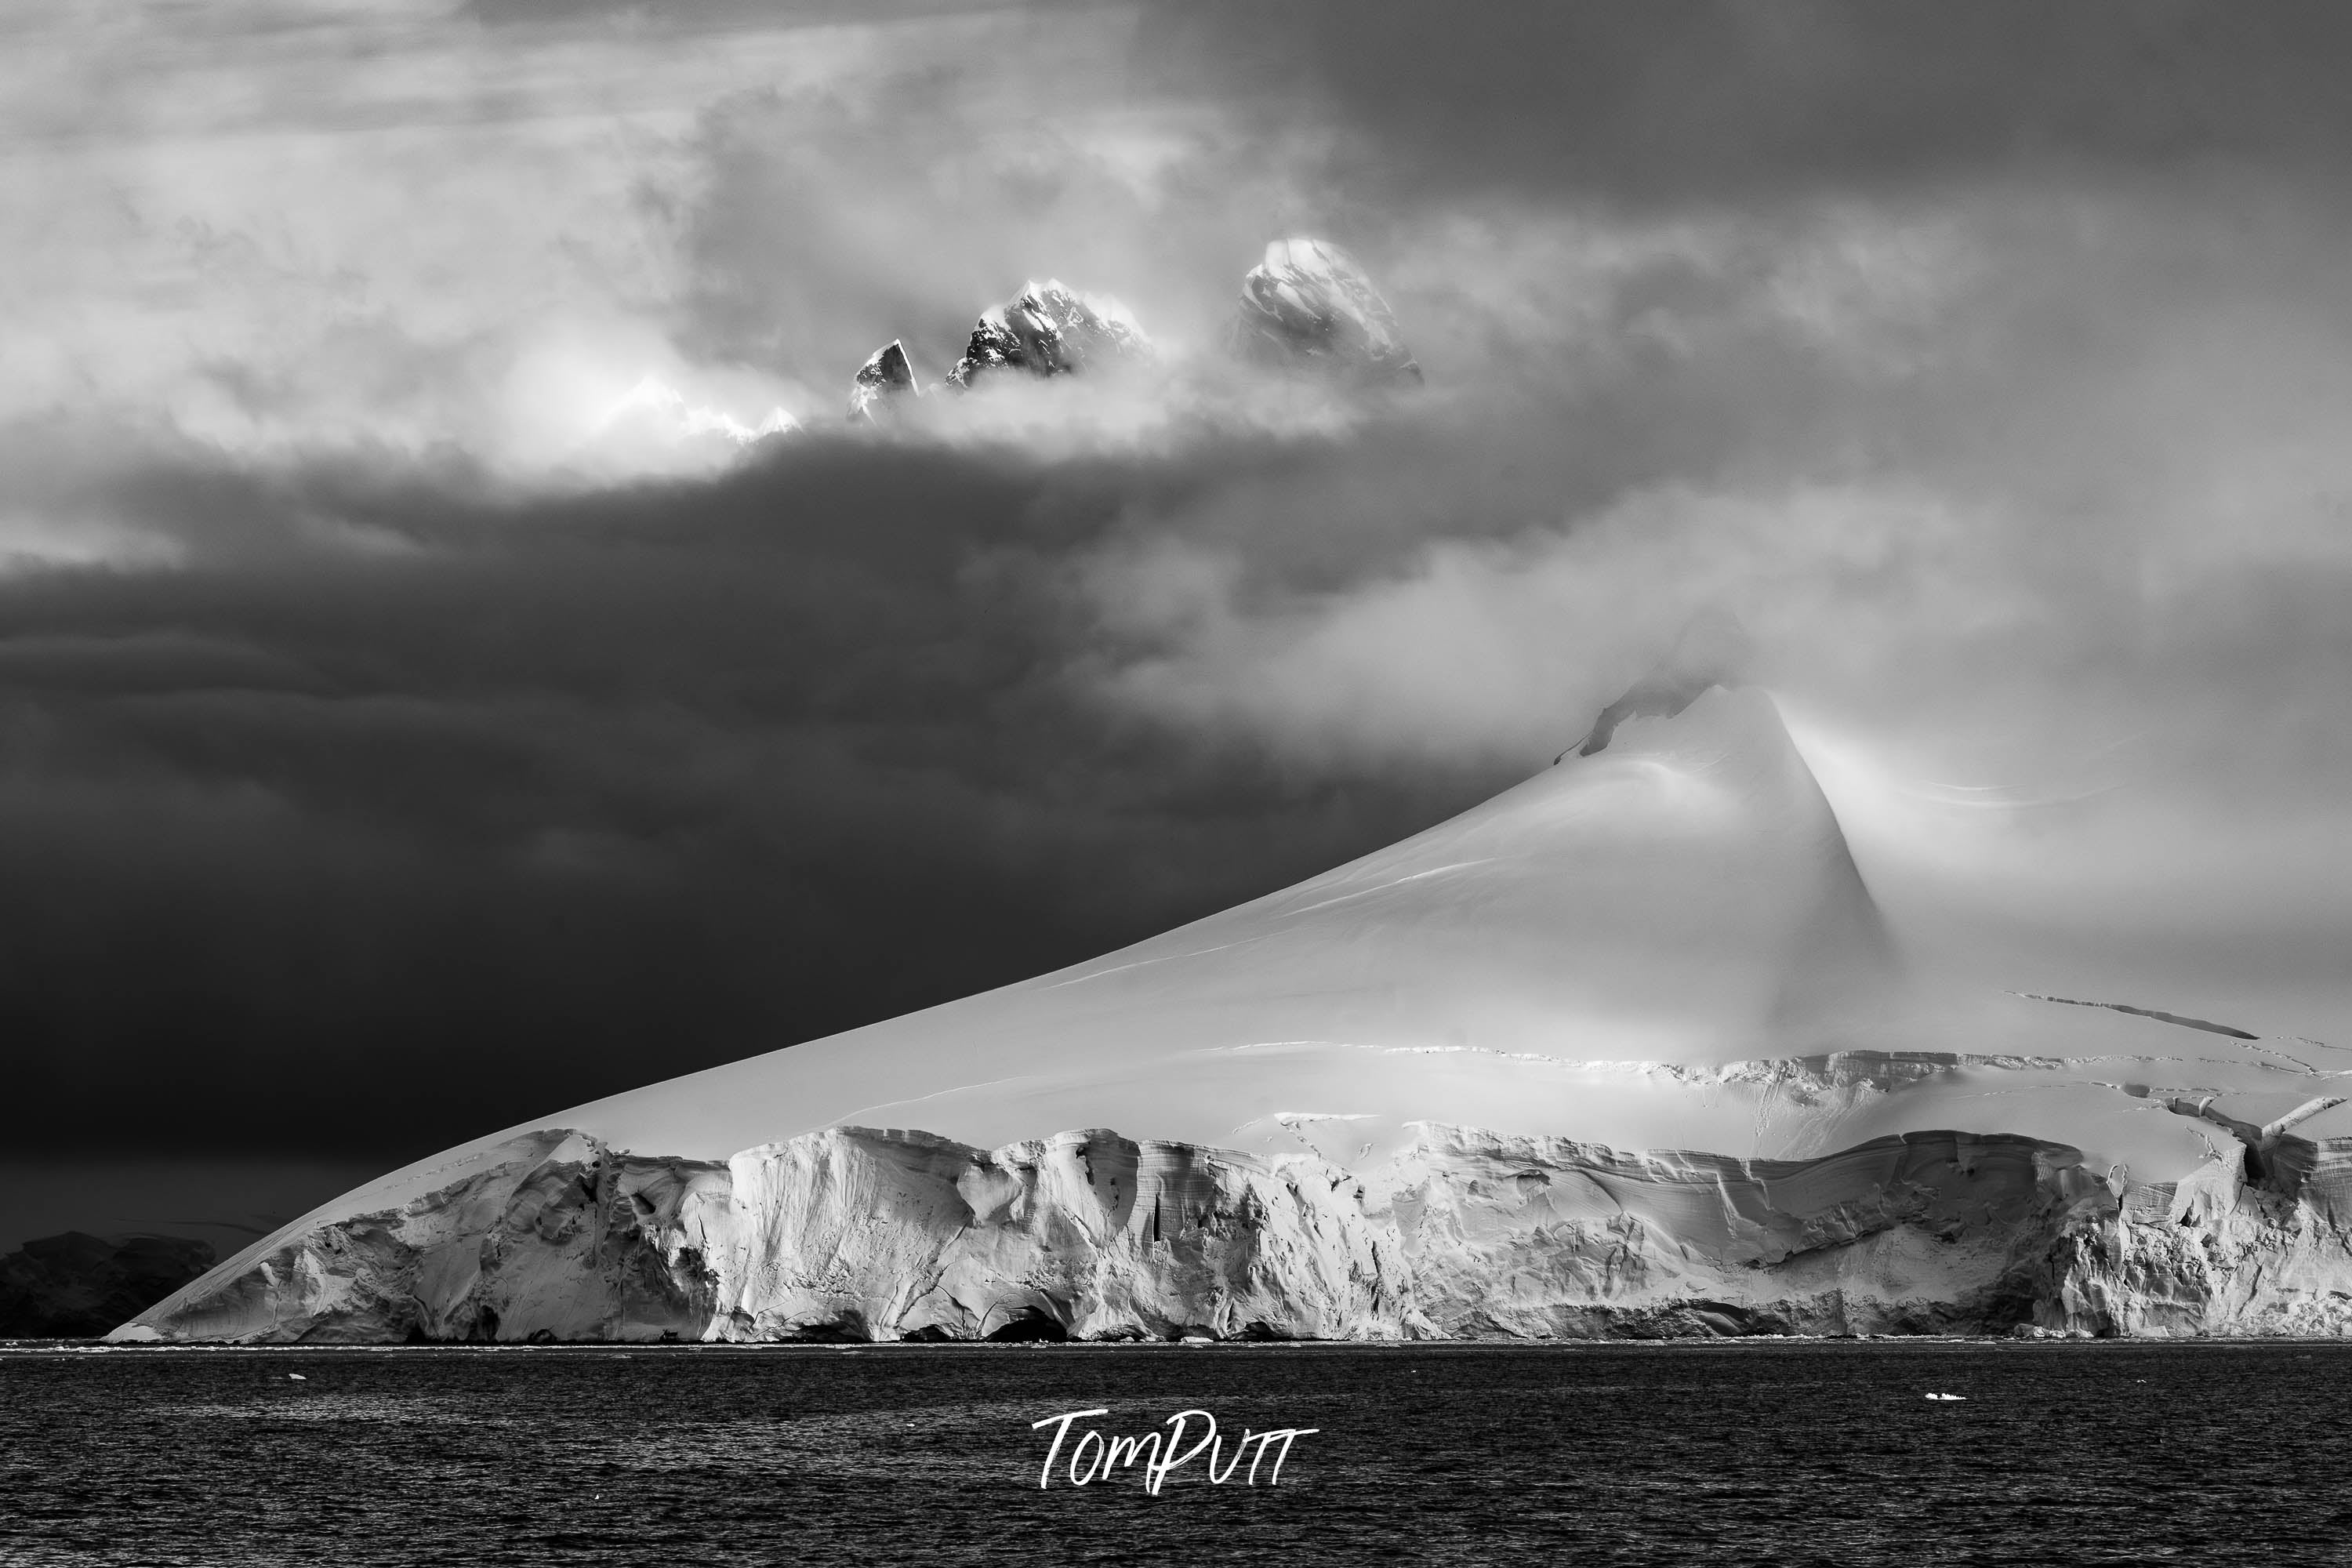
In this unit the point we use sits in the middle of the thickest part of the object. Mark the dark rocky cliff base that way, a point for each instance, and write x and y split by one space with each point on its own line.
78 1285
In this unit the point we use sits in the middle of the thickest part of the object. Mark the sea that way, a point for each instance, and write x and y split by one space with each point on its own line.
1732 1452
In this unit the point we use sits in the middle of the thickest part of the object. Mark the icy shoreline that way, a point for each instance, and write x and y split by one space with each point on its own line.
856 1235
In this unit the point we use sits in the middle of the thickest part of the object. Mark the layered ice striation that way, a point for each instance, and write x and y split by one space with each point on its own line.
1309 303
1625 1050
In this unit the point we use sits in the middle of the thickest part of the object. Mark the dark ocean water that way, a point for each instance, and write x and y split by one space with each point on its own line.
1736 1452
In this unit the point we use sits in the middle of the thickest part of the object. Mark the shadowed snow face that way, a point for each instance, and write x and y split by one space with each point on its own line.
409 678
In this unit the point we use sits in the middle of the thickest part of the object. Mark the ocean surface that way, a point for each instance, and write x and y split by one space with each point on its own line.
1721 1453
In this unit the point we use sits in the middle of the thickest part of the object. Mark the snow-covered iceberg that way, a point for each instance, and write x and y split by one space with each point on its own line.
1627 1049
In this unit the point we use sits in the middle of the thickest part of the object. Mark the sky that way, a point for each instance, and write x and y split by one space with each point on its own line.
417 715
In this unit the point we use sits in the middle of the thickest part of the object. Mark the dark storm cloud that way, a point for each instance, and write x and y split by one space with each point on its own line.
1737 99
335 847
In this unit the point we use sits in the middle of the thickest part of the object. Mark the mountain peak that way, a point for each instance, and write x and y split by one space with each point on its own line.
1712 650
886 377
1050 329
1310 304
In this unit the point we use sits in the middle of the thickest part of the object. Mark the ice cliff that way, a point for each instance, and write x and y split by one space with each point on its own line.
856 1233
846 1233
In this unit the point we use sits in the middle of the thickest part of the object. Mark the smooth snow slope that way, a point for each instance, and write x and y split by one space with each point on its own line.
1664 945
1684 897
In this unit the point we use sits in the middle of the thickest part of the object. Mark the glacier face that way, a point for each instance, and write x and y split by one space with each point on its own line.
856 1234
1627 1049
847 1233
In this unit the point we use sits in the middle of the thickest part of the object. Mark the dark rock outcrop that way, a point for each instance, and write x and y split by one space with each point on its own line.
1710 652
881 381
78 1285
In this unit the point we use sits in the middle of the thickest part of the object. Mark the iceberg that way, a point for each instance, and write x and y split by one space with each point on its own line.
1627 1050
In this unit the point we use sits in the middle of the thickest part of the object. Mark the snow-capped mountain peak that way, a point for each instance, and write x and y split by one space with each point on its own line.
1050 329
1309 302
886 376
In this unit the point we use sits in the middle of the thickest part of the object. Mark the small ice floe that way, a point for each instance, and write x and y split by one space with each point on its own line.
298 1377
1949 1398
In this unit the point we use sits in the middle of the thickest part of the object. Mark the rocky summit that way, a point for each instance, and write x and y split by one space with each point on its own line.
881 381
1048 329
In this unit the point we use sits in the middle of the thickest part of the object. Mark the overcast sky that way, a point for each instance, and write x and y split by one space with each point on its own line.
403 735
